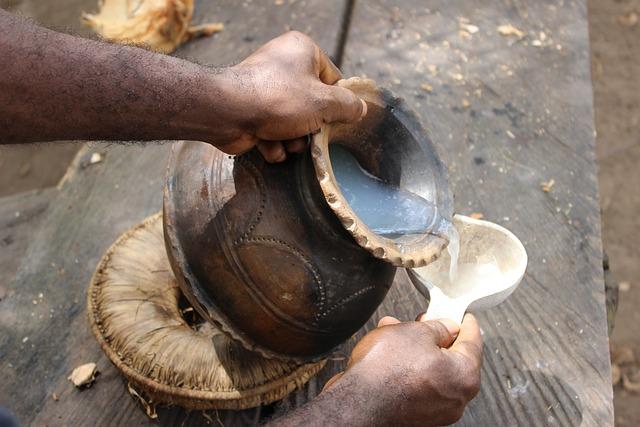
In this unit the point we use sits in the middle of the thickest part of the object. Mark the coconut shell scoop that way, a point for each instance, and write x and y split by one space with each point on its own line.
491 264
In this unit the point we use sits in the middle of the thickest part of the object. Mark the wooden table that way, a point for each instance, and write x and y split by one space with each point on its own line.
506 112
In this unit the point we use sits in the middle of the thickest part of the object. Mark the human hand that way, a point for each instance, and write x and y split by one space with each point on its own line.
414 373
283 92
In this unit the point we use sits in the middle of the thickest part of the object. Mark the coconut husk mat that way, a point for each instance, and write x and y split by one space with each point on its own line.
153 337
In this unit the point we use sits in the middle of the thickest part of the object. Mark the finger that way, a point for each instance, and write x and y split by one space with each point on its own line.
344 106
327 70
272 151
469 342
387 320
332 380
295 145
443 331
240 145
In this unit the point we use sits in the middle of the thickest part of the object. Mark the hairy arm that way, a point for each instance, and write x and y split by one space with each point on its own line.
56 86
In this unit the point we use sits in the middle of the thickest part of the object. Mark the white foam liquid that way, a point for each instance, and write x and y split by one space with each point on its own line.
471 280
385 209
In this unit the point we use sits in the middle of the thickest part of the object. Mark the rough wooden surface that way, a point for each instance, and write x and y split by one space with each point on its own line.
506 116
20 216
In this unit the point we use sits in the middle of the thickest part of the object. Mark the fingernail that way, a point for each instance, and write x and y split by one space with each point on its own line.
451 326
364 109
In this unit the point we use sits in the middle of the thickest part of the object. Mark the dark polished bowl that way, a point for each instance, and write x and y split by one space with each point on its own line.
265 252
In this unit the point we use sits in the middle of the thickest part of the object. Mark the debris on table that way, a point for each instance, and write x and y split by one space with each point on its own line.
54 397
629 19
547 185
92 160
624 286
84 375
96 158
159 25
476 215
509 30
426 87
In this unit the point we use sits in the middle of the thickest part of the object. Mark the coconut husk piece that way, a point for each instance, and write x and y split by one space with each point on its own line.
160 25
134 307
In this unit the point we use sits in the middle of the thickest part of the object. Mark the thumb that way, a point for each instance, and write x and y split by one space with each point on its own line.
344 106
443 331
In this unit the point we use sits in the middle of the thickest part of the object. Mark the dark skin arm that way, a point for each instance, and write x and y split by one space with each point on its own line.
55 86
412 373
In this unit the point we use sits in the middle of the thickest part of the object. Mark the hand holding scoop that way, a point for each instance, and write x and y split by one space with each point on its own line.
491 264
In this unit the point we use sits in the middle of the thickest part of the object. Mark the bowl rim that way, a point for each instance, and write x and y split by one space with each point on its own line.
379 246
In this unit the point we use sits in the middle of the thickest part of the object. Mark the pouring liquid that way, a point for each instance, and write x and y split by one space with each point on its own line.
392 212
468 279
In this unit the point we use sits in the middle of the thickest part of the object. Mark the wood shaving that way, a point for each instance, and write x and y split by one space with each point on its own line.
624 286
160 25
54 397
426 87
466 103
547 185
476 215
148 405
471 29
509 30
96 158
84 375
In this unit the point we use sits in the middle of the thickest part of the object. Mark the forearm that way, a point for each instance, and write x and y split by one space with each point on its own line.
348 402
55 86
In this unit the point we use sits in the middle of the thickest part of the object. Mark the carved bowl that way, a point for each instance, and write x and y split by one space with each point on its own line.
272 253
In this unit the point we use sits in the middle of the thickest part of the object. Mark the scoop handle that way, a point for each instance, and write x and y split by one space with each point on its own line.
444 308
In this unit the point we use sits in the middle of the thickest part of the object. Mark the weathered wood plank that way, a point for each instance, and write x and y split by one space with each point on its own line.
94 206
20 216
508 113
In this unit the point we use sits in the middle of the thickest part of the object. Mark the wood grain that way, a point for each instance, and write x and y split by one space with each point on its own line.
508 115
